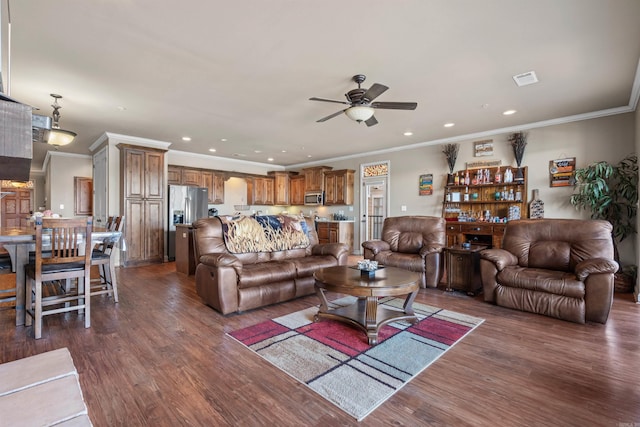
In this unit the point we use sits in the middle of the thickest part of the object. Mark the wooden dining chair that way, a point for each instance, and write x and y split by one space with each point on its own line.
63 253
103 257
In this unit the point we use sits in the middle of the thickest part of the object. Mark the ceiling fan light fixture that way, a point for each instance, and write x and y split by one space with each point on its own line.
359 113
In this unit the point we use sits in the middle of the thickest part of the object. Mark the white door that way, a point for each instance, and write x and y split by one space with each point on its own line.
374 207
100 188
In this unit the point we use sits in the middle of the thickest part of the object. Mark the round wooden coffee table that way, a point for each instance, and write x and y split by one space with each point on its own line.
365 312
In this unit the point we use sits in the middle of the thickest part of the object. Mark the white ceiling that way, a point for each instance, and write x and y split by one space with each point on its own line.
244 70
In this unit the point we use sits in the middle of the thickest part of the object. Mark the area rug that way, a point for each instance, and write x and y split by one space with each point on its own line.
336 361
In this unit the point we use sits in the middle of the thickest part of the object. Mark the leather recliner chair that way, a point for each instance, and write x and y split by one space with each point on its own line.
561 268
414 243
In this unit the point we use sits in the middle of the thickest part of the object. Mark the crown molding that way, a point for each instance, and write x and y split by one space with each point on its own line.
227 159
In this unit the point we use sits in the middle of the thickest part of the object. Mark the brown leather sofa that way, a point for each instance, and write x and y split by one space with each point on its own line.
238 282
414 243
561 268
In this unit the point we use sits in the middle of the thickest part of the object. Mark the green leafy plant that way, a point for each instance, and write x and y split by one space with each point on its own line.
610 192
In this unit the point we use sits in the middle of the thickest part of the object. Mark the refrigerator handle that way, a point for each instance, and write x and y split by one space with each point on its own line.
187 210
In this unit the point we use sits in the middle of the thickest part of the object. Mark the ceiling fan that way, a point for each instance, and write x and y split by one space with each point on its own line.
361 107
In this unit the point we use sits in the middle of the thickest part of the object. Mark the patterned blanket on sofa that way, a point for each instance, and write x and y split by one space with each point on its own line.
264 233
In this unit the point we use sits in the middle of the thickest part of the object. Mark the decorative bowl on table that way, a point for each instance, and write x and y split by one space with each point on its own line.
368 268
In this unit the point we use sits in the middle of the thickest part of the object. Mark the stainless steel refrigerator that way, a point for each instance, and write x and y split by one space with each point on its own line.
186 205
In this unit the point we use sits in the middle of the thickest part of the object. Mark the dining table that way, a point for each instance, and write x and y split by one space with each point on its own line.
18 241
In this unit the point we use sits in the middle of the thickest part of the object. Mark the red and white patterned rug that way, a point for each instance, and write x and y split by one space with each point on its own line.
336 361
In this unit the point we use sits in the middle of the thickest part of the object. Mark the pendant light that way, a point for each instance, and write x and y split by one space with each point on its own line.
58 137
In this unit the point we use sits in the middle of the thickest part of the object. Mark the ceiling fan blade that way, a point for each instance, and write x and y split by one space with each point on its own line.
395 105
372 121
374 91
331 116
328 100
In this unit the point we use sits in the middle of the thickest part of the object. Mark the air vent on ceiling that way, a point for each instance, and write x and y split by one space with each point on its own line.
525 79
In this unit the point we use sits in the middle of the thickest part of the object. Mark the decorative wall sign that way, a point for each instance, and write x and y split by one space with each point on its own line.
425 185
483 148
484 164
562 172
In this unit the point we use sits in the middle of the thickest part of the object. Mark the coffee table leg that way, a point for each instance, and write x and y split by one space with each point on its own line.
371 314
408 306
324 304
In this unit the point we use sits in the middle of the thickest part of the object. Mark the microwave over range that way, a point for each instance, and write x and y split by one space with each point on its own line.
315 198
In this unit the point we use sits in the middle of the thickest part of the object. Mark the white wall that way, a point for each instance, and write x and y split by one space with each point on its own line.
62 168
608 138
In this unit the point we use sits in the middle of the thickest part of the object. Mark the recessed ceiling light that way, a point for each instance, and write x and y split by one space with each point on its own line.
449 125
213 150
257 151
121 108
284 151
408 133
309 155
186 138
509 112
224 140
270 159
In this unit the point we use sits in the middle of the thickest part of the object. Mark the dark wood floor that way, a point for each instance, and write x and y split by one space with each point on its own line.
161 358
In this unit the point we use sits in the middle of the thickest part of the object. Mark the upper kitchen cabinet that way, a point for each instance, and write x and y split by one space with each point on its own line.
282 187
260 191
338 187
214 182
296 190
143 172
192 177
174 175
314 178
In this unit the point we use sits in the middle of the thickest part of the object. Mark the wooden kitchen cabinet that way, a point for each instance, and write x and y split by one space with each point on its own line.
260 191
296 190
214 183
174 175
192 177
282 190
335 232
185 252
314 178
338 187
142 188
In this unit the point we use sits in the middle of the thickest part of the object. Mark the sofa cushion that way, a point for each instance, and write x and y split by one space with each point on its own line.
411 262
536 279
266 272
308 265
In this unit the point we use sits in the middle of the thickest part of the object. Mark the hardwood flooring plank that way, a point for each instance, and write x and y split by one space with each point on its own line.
161 358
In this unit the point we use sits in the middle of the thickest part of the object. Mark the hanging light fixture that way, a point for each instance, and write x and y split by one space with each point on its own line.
57 136
359 113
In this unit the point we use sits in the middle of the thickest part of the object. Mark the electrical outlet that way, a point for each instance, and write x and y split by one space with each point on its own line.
61 206
403 208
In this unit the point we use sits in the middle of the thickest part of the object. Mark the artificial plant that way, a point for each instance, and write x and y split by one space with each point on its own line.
610 192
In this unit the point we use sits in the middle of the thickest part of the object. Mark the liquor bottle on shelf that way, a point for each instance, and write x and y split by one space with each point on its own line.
498 177
466 178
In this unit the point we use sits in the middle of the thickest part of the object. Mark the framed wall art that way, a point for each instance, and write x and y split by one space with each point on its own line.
483 148
562 172
425 185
